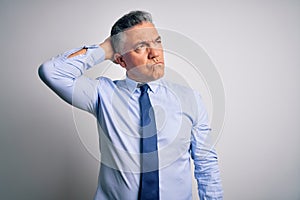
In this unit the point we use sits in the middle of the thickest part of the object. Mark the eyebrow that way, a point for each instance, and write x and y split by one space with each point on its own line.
145 42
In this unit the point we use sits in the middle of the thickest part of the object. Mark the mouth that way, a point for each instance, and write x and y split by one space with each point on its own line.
158 64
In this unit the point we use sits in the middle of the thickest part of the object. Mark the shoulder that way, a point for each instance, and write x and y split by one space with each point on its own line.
106 80
189 98
178 88
106 83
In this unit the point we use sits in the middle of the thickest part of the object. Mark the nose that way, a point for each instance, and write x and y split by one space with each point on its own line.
153 53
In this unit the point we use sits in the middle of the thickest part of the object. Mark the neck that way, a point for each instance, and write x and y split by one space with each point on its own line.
140 79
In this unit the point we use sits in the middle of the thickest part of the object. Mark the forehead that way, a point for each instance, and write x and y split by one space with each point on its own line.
145 31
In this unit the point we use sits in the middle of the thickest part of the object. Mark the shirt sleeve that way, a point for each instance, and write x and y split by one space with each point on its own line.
65 77
205 157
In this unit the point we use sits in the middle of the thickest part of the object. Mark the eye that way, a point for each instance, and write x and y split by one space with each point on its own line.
140 47
158 42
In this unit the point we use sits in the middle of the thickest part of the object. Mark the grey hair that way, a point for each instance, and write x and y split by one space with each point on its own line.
127 21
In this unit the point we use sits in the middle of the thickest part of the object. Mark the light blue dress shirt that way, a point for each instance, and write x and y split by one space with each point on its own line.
181 121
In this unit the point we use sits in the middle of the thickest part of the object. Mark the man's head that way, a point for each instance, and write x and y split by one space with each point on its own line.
138 47
127 21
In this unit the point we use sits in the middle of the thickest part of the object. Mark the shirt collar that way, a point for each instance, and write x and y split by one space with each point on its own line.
132 85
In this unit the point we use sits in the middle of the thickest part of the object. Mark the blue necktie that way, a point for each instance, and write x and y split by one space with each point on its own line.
149 185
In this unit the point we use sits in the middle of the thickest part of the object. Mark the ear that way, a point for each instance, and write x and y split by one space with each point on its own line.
118 58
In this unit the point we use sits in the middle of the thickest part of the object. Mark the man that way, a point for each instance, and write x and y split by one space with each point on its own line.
148 127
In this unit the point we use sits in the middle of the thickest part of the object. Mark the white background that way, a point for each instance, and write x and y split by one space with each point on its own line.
255 46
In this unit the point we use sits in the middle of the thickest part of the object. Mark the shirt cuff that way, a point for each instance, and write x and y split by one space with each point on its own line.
95 53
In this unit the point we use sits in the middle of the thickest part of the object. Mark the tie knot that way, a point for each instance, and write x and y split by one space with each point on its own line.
144 88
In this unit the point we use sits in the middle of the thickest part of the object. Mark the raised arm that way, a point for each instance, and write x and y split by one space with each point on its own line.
64 74
106 46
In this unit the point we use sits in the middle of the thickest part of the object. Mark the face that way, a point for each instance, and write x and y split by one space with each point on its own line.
142 53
